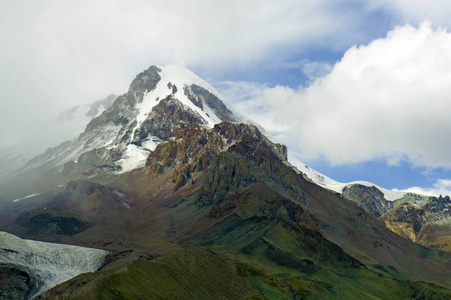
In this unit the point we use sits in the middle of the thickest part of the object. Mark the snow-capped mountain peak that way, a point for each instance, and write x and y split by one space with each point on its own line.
159 102
175 82
198 101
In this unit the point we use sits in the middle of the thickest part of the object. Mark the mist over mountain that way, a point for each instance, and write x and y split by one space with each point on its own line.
67 125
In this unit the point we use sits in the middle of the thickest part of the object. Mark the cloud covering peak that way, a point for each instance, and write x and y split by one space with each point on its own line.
57 54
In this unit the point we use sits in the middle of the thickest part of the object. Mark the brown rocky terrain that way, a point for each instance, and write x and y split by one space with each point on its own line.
422 219
218 200
425 225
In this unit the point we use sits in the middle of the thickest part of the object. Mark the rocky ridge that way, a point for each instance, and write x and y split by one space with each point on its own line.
428 224
422 219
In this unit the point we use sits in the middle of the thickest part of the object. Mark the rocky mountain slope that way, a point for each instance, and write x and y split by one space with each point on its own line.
404 213
422 219
232 189
179 191
428 224
158 103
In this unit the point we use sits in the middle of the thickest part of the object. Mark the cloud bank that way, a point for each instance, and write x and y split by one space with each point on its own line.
389 99
57 54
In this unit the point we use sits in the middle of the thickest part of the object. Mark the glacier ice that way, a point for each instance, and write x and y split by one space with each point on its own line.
48 264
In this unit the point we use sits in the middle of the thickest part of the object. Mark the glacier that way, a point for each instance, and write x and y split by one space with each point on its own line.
48 264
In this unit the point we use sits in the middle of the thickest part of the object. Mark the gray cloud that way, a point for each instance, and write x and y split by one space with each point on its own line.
417 11
56 54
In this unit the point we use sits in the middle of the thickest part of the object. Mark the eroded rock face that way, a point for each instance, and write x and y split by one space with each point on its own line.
199 145
165 119
407 220
229 156
370 199
15 284
428 224
421 219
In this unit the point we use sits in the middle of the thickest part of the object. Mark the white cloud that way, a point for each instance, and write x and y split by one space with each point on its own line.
440 187
254 101
389 99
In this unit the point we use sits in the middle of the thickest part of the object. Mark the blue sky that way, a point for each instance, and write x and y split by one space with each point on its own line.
358 90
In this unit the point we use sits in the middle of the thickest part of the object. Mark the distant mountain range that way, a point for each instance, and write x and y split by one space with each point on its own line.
193 201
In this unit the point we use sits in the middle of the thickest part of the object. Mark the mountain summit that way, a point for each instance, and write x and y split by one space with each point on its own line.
159 102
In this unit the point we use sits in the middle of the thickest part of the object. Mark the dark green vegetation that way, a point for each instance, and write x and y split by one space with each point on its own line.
194 273
218 214
49 224
205 273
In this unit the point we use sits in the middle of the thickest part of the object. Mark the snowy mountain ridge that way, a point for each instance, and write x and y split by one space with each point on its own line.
336 186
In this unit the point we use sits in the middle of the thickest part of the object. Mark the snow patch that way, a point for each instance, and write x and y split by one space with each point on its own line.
26 197
151 142
134 157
